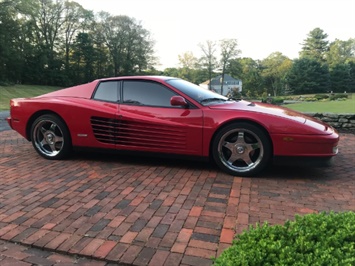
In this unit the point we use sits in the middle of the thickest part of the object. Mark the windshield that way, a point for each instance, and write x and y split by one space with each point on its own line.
199 94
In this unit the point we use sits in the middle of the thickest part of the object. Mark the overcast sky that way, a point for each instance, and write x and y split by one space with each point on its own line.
260 26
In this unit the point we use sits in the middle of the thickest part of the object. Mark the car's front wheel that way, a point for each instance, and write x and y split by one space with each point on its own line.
241 149
50 137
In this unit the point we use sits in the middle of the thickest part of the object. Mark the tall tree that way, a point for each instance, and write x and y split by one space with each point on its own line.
187 60
76 18
315 45
341 52
208 60
352 76
130 45
229 51
10 43
308 76
46 18
275 69
249 71
83 57
340 77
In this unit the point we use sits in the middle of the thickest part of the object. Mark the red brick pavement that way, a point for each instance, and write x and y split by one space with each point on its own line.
145 211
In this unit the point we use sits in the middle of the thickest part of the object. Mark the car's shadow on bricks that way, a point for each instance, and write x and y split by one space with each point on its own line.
145 160
272 171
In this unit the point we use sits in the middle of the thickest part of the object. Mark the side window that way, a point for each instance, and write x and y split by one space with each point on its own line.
107 91
146 93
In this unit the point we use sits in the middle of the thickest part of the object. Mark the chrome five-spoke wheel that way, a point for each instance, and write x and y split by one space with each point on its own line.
241 149
50 137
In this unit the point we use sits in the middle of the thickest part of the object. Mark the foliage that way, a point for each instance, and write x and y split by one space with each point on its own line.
274 70
188 60
60 43
277 100
229 51
338 96
313 239
315 46
308 76
341 52
340 77
208 61
273 100
249 71
321 96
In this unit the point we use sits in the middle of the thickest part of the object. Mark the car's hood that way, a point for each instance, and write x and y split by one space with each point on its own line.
277 111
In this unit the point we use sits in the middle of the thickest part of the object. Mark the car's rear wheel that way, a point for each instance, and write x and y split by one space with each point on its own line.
241 149
50 137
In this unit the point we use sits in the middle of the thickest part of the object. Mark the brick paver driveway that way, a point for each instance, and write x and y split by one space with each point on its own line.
152 211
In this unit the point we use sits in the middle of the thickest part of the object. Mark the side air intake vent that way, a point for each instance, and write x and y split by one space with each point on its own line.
105 129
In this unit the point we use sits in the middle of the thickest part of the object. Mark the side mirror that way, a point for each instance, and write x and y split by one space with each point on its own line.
178 101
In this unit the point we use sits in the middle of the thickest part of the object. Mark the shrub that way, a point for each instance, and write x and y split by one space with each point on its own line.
310 99
321 96
277 100
338 96
273 100
313 239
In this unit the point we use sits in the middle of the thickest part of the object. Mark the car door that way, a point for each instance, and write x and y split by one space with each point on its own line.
148 122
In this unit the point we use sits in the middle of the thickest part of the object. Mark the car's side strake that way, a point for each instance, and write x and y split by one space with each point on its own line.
115 131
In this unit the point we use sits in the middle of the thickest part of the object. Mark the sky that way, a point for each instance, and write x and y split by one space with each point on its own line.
261 27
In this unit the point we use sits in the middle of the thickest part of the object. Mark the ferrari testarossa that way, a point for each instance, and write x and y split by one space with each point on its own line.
170 116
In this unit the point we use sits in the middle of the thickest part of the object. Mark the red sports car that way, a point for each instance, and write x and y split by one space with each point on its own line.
170 116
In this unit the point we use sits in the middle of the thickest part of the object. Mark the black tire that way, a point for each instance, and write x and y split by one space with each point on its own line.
241 149
50 137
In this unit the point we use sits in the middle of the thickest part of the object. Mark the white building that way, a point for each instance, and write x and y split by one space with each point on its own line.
229 85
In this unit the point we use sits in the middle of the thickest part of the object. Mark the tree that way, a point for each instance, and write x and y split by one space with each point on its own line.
129 44
340 78
75 19
84 55
341 52
352 76
316 45
187 60
275 69
229 51
307 75
208 60
10 43
249 71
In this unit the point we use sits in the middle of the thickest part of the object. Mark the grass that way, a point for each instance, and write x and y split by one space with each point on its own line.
21 91
337 107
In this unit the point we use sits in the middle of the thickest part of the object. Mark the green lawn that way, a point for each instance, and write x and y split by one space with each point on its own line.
21 91
338 107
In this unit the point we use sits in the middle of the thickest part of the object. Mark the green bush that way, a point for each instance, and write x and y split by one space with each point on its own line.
273 100
338 96
321 96
313 239
310 99
277 100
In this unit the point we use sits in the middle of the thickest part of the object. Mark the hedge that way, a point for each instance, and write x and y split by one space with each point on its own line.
313 239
